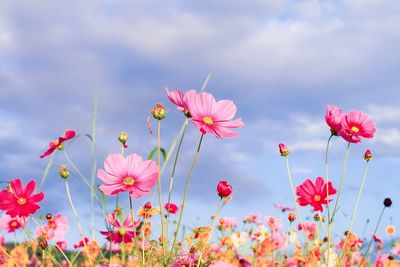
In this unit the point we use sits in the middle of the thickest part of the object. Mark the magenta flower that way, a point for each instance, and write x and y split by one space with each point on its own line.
334 118
121 233
213 117
180 99
10 224
357 125
130 174
314 194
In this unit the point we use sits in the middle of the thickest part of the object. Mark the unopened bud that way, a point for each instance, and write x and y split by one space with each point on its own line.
317 217
193 249
123 138
291 217
147 206
49 216
284 150
387 202
63 172
368 155
159 112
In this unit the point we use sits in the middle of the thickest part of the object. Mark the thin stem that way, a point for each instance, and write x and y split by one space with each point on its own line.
355 208
163 237
211 231
77 220
143 239
185 191
173 172
346 157
327 195
46 171
94 167
376 229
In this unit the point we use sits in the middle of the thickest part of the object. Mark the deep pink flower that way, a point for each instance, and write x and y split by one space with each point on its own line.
213 117
334 118
10 224
130 174
284 150
179 98
224 189
58 143
81 243
376 238
121 233
171 207
314 194
18 200
357 125
62 245
368 155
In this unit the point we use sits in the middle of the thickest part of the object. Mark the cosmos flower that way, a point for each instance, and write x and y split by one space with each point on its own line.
130 174
56 227
18 200
224 189
69 134
81 243
180 99
62 245
282 207
314 194
171 207
334 118
121 233
355 126
213 117
10 224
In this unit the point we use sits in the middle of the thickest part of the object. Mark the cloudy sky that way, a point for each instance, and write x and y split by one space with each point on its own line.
282 62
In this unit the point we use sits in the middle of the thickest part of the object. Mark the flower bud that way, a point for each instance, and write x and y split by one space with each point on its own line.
387 202
224 189
147 206
63 172
49 216
317 217
159 112
123 138
368 155
284 150
291 217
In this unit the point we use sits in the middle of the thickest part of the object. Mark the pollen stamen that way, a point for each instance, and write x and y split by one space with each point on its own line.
128 181
208 120
355 129
317 198
21 201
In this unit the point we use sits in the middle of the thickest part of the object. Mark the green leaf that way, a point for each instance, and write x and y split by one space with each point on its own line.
153 152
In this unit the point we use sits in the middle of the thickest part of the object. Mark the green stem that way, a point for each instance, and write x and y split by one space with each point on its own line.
185 192
211 231
327 195
355 208
376 229
173 172
46 171
78 221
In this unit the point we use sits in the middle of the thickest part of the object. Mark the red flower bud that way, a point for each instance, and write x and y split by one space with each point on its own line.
224 189
284 150
291 217
387 202
368 155
147 205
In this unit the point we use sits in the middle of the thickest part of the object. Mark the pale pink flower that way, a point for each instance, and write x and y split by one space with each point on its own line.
213 117
274 223
334 118
220 263
57 227
227 223
357 125
310 228
10 224
282 207
130 174
396 249
179 98
251 218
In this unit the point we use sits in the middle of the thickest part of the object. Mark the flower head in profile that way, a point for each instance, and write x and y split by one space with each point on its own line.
224 189
314 194
179 98
10 224
171 208
213 117
131 174
69 134
283 208
334 118
121 232
18 200
355 126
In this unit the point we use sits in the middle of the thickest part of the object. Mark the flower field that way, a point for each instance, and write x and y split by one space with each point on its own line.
153 234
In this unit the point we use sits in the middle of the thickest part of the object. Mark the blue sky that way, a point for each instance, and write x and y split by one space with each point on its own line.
281 62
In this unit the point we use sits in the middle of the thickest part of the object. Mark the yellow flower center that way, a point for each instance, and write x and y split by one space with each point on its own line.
122 231
208 121
14 223
21 201
317 198
128 181
355 129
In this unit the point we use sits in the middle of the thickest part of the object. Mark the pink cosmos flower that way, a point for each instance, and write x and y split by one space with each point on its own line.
251 218
376 238
334 118
62 245
69 134
130 174
2 240
314 194
9 224
171 208
55 229
81 243
396 249
180 99
282 207
213 117
357 125
18 200
122 232
227 223
310 228
220 263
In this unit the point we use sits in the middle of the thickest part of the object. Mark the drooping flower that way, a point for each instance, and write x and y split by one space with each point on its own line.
213 117
357 125
224 189
282 207
130 174
10 224
121 233
171 207
18 200
69 134
180 99
314 194
334 118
